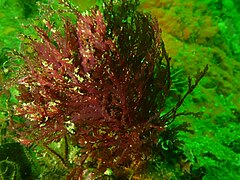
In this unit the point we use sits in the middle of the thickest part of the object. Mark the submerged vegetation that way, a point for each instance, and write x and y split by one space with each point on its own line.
92 91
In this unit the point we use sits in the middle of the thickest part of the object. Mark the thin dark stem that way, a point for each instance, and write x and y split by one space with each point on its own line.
57 155
66 148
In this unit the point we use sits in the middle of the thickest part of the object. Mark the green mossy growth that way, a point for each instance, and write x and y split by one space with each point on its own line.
15 162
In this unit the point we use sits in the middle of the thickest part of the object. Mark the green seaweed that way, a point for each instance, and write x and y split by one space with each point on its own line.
15 162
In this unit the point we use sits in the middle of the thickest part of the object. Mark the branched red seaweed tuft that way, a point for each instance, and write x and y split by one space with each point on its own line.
102 81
